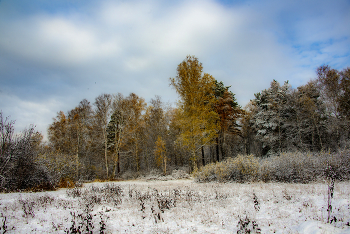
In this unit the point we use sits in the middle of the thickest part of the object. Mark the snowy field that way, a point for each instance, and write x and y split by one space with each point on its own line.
178 206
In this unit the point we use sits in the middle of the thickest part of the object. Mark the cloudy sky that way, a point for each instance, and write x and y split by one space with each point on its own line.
55 53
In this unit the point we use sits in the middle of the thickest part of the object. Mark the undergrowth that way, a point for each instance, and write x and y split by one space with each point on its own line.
294 167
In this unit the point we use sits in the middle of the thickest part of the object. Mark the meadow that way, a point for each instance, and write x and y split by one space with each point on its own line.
178 206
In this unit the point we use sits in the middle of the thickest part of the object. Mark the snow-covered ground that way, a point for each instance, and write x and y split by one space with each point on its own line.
178 206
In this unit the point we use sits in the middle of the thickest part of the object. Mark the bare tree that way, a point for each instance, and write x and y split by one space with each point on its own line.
103 110
7 149
18 169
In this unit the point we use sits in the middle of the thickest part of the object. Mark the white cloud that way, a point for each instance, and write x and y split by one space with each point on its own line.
26 113
135 46
55 41
71 43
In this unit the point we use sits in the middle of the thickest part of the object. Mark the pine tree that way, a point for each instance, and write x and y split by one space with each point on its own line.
271 116
228 111
311 119
114 138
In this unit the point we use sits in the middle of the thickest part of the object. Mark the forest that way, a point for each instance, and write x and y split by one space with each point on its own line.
117 137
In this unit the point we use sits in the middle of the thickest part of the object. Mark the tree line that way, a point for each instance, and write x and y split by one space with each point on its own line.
120 135
313 117
117 134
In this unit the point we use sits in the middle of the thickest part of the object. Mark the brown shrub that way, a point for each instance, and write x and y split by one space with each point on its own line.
66 183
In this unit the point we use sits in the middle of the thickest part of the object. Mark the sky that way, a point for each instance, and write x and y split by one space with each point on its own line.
53 54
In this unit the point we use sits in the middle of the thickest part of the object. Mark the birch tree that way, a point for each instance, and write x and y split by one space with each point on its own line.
103 105
79 123
135 126
156 124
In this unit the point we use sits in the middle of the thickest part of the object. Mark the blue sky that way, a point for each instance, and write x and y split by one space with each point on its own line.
53 54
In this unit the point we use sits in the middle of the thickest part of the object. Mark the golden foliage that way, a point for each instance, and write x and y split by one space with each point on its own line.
160 154
66 183
196 116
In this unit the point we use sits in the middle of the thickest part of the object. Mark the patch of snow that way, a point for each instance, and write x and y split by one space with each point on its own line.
317 227
179 206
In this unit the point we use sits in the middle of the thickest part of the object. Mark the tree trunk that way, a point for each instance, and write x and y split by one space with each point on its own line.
106 160
312 140
222 147
194 161
175 159
117 136
330 197
118 164
77 161
203 159
247 145
137 157
165 159
318 132
217 149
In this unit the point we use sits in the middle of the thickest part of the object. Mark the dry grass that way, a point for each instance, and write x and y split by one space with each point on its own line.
176 206
292 167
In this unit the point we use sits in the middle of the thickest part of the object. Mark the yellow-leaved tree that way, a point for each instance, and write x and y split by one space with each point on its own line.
197 118
160 153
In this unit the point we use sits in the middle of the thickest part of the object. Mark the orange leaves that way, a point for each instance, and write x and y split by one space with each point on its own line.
228 111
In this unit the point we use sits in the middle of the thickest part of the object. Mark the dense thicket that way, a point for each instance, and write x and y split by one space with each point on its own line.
124 137
19 169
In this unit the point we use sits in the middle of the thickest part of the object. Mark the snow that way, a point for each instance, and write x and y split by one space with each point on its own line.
191 208
316 227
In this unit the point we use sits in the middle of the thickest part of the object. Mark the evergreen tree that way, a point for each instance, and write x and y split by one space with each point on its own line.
114 138
229 112
271 117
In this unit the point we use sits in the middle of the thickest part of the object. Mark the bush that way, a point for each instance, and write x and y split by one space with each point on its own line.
246 168
180 174
242 168
291 167
66 183
340 163
207 173
294 167
130 175
18 167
